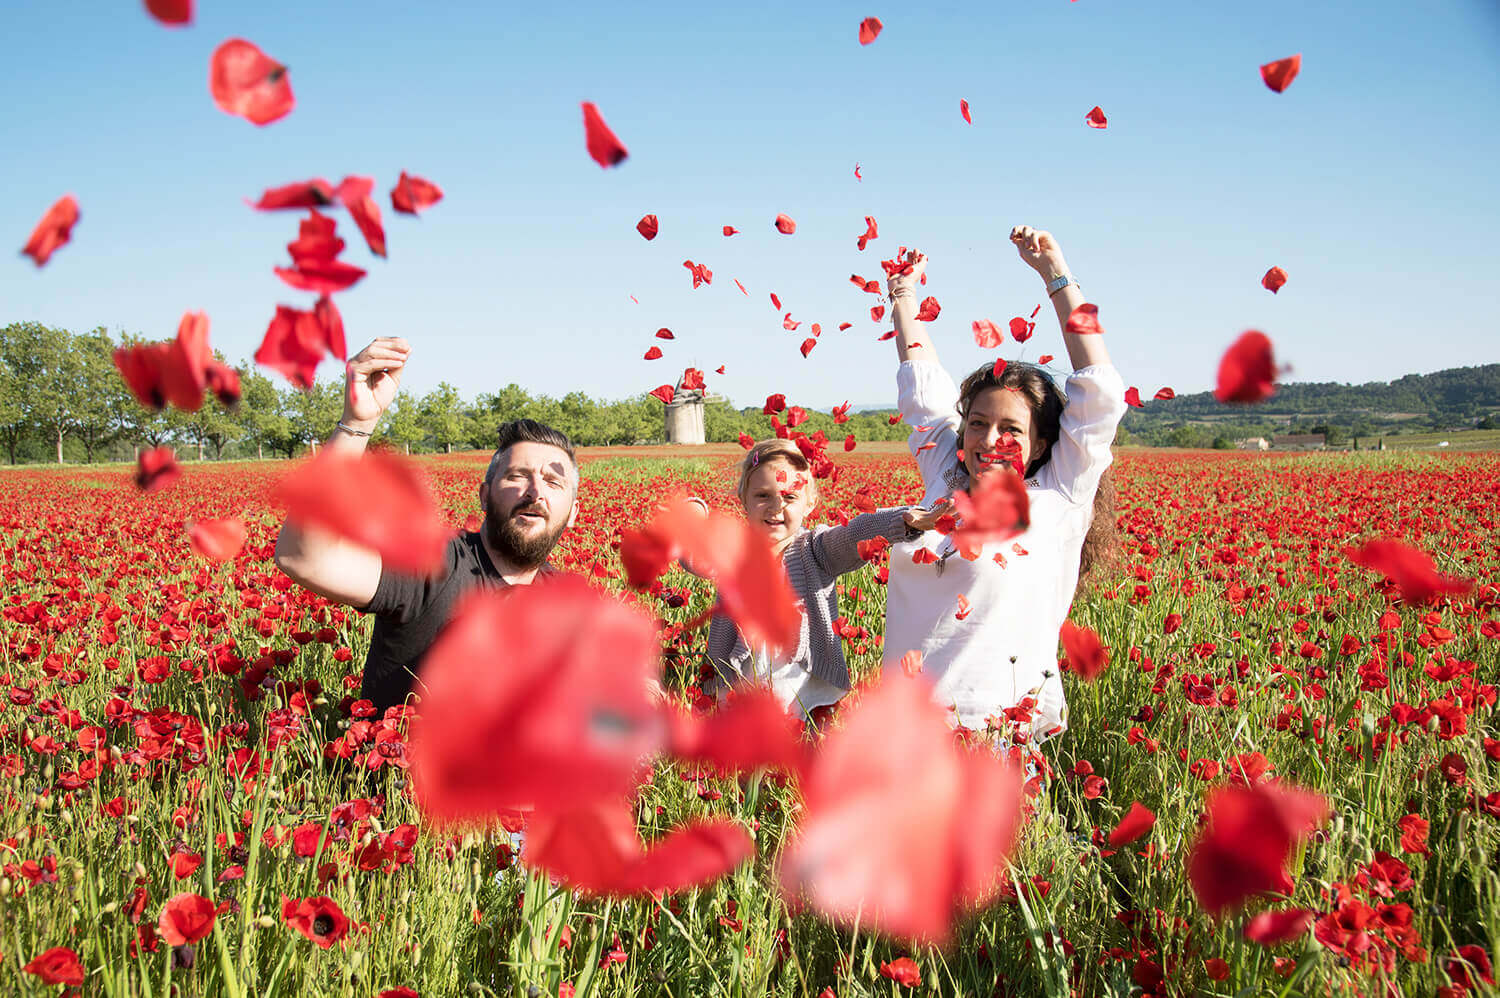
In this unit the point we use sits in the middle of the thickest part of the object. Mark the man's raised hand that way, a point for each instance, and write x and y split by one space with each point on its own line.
371 380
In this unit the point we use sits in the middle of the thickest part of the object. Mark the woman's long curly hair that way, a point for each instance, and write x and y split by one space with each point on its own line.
1101 546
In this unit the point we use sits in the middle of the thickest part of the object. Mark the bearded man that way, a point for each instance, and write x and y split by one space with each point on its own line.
529 496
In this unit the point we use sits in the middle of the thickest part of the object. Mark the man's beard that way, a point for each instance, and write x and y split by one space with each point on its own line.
521 550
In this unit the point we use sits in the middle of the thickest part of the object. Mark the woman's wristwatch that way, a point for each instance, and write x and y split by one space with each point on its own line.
1058 283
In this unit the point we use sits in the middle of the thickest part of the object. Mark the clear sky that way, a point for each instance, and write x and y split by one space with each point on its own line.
1372 180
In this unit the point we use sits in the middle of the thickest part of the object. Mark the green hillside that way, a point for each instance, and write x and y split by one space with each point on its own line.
1455 399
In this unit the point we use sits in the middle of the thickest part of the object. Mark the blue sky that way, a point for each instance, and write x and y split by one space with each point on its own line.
1372 180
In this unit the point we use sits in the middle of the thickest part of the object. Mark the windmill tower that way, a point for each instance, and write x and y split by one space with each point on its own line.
684 415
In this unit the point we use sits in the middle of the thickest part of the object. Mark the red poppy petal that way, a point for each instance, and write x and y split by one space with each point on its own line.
1413 572
963 109
1096 118
53 231
869 30
413 194
1280 74
730 230
1247 371
929 309
320 276
1164 394
807 345
653 354
648 227
354 192
246 82
1087 656
1136 823
995 507
987 334
753 729
785 225
217 540
173 12
603 145
664 392
1133 397
1270 928
305 194
156 469
1274 280
1084 320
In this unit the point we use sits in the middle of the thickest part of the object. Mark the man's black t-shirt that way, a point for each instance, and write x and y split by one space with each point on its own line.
410 610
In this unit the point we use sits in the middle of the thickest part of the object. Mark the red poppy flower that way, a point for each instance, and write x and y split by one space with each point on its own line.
963 109
1137 822
653 354
185 919
1270 928
522 708
664 392
603 145
1280 74
1096 119
1413 572
175 373
244 81
58 965
217 540
995 507
648 227
185 864
53 231
1414 829
987 334
173 12
869 30
156 469
1468 962
596 849
317 918
1249 837
902 970
900 826
785 225
1247 371
1274 279
1084 320
929 309
355 194
413 194
335 492
1087 656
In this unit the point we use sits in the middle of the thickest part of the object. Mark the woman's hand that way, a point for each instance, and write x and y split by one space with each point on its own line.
926 519
898 284
371 379
1040 251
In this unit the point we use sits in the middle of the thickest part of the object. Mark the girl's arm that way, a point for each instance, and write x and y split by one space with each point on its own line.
836 550
912 342
1042 253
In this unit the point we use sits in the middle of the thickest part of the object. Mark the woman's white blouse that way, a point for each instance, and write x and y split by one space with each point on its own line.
1006 647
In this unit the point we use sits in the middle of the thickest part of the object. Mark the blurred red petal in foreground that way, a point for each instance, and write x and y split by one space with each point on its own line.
752 584
1274 280
597 849
1279 75
1138 821
336 492
355 193
521 707
752 729
1244 850
173 12
156 469
1413 572
602 143
1247 371
901 827
246 82
1086 655
1272 927
217 540
869 30
53 231
994 508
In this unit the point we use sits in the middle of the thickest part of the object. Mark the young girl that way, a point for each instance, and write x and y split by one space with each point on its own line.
1002 653
778 491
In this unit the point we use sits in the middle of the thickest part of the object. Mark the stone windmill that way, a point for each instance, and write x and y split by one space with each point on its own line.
684 415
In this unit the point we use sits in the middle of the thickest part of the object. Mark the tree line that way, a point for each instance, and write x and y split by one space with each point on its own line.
62 400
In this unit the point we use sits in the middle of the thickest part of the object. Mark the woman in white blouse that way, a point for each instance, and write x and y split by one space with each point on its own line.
1003 652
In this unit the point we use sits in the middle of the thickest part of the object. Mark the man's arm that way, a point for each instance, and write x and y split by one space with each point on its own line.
327 565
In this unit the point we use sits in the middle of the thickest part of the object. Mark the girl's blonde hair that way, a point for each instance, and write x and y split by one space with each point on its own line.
771 451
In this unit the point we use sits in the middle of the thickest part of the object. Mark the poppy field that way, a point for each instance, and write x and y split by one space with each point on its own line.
195 804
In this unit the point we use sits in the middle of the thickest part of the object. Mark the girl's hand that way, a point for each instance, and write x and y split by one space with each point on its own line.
926 519
907 283
1040 251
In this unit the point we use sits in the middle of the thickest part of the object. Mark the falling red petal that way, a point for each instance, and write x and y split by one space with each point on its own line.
1412 571
53 231
1274 280
246 82
1096 118
785 225
963 109
648 227
994 508
1084 321
807 345
869 30
664 392
653 353
605 148
1133 397
155 469
1164 394
217 540
413 194
1247 371
987 334
314 193
172 12
1280 74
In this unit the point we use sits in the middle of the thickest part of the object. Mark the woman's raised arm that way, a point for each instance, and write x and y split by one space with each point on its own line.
1040 251
912 342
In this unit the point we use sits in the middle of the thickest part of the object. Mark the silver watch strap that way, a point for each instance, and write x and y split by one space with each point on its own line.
1058 283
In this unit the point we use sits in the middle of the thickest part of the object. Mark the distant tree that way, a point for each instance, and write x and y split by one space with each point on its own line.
443 415
13 413
260 414
1485 423
313 413
51 372
102 395
403 421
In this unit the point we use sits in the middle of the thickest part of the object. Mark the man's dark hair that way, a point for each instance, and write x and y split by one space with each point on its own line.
529 431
